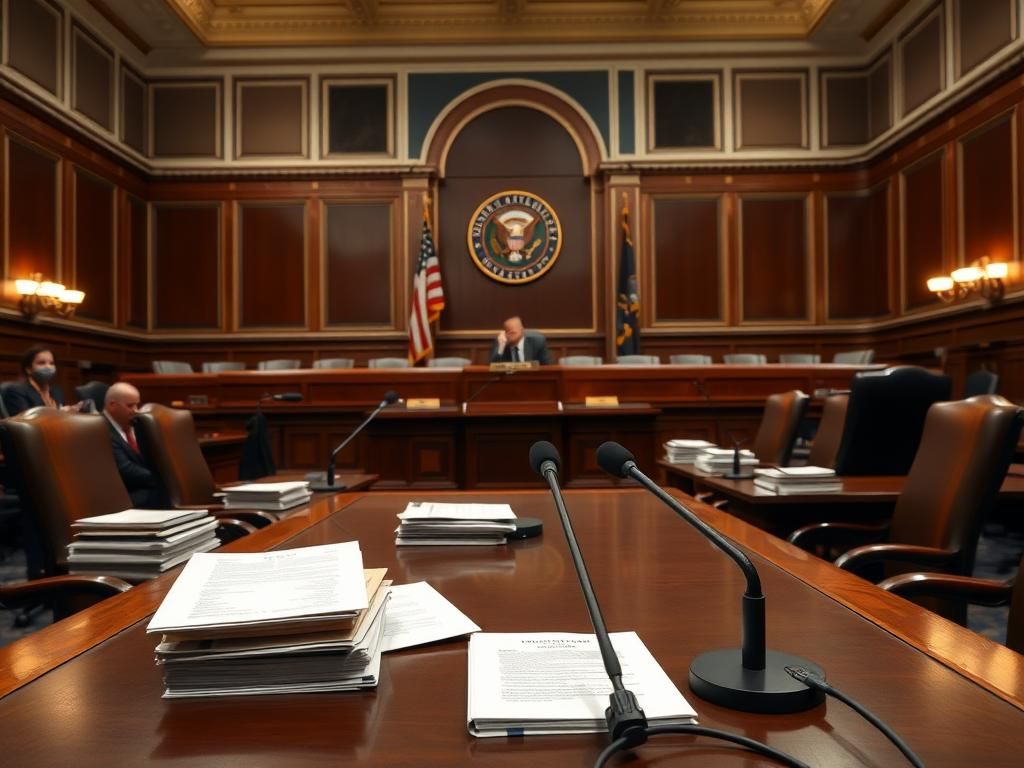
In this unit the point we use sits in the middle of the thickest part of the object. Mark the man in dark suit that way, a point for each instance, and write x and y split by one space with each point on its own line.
515 344
120 406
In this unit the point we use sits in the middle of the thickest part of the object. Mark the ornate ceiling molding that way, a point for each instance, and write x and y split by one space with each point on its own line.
397 22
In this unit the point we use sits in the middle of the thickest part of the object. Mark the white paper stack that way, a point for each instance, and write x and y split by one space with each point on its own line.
269 496
685 451
139 543
292 621
555 682
435 523
791 480
718 461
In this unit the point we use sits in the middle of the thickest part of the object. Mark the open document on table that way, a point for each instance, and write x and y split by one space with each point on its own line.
554 682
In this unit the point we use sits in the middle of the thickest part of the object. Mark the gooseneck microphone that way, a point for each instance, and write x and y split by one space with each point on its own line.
326 482
624 717
750 678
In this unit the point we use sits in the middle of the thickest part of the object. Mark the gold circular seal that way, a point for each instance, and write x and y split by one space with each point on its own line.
514 237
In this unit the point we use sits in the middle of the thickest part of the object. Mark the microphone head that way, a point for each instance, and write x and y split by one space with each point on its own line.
614 459
542 452
289 397
390 397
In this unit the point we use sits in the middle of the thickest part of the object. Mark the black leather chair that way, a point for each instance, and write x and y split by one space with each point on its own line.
885 418
981 383
93 391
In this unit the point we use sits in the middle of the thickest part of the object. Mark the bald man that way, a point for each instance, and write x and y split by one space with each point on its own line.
120 406
516 344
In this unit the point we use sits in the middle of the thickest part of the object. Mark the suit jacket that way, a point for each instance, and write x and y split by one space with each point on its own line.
535 347
139 479
20 396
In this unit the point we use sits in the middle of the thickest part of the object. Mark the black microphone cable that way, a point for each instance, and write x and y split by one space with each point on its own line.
699 730
811 679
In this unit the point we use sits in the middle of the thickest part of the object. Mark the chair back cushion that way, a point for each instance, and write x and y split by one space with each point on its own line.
777 433
388 362
580 360
800 358
171 366
278 365
449 362
638 360
334 362
220 366
966 449
168 438
95 391
690 359
854 357
830 431
885 417
745 358
64 469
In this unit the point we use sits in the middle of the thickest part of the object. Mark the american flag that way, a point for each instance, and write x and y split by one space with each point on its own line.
427 297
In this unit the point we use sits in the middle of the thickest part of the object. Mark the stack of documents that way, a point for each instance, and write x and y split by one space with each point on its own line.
555 682
139 543
438 523
718 461
786 480
685 451
269 496
293 621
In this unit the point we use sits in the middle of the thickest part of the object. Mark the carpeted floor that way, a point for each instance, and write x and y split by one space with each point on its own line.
999 553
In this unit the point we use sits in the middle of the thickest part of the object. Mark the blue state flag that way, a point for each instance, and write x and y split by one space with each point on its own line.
627 304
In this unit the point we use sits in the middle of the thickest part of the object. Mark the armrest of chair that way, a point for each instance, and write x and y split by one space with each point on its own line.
948 586
842 535
909 553
230 528
64 586
257 517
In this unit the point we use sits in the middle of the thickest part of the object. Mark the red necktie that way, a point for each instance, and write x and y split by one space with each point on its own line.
130 436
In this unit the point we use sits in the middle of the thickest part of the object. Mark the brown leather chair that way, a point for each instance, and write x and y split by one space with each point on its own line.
830 431
777 433
965 589
965 450
167 436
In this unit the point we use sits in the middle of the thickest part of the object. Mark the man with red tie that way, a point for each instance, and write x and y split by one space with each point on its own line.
120 406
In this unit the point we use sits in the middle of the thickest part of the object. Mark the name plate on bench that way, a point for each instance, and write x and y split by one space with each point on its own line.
508 367
414 403
601 401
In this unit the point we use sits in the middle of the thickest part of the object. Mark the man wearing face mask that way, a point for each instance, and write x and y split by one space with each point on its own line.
40 370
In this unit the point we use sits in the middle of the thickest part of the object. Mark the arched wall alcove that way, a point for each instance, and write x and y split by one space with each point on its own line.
525 139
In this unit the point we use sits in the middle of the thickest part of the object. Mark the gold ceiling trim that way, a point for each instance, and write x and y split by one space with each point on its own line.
396 22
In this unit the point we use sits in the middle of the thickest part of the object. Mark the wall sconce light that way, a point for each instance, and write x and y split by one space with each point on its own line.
38 295
984 278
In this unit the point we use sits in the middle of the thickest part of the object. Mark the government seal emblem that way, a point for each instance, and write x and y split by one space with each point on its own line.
514 237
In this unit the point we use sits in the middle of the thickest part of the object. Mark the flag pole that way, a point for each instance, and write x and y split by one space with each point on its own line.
436 322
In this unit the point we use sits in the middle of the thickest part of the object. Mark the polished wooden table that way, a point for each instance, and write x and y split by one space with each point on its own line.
955 697
222 451
864 498
448 448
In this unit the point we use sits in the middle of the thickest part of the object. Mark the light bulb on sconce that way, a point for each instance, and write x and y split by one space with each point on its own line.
984 278
38 295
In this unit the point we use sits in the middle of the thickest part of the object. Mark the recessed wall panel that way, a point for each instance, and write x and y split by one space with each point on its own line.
34 41
771 110
988 192
94 246
357 263
133 110
32 211
858 258
773 246
687 264
92 78
271 119
923 69
923 245
138 260
186 119
272 269
982 28
186 266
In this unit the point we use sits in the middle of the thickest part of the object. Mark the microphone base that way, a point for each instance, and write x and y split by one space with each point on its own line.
318 483
719 677
526 528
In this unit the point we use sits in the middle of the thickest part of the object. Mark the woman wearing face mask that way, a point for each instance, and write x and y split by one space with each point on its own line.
38 388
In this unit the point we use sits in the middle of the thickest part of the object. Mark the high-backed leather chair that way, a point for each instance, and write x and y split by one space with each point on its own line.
981 382
171 366
638 360
690 359
94 391
854 357
745 358
800 358
449 362
885 418
278 365
969 590
773 443
965 451
334 362
580 360
830 431
388 362
221 366
167 437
